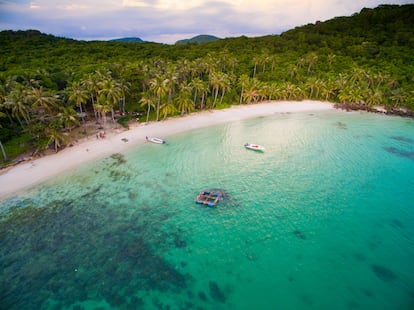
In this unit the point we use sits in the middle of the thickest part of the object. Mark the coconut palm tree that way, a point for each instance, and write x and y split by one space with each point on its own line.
314 86
350 95
331 60
168 109
225 86
256 61
219 80
17 102
311 59
291 91
147 100
3 151
265 58
171 80
55 136
68 117
374 97
398 96
109 93
197 86
90 83
124 87
79 95
183 101
252 91
42 100
6 85
158 86
327 90
243 82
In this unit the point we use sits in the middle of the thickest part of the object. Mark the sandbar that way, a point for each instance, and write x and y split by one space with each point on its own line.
30 173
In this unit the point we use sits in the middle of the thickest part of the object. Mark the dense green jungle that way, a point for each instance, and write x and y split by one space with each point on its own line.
51 87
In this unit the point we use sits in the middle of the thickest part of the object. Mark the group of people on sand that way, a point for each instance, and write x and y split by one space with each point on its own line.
101 134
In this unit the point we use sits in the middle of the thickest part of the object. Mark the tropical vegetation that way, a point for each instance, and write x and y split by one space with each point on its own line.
50 86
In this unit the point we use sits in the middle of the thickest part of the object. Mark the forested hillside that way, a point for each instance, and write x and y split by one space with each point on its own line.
48 83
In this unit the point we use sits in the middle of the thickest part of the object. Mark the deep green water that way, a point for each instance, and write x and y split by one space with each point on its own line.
323 219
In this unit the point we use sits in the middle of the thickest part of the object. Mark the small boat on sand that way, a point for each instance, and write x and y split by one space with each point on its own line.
155 140
255 147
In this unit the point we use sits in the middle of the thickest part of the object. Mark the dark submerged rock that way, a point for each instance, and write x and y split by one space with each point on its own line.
399 152
384 273
216 293
202 296
299 235
403 139
397 223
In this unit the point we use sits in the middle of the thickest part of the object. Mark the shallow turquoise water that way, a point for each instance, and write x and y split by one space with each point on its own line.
323 219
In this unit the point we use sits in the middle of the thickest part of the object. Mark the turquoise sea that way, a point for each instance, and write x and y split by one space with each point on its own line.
323 219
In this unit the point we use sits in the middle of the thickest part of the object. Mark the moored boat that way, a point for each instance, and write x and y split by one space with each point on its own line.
209 197
155 140
255 147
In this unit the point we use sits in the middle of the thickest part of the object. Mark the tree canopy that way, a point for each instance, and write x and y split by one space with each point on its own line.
48 84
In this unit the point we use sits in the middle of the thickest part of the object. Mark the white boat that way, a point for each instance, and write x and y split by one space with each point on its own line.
155 140
255 147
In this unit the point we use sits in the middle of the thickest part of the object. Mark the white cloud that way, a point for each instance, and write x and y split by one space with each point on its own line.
34 6
134 3
170 20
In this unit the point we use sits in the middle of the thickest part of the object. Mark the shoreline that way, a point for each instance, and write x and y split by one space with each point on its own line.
30 173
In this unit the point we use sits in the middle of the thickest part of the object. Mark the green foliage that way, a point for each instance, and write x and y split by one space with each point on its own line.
365 59
17 145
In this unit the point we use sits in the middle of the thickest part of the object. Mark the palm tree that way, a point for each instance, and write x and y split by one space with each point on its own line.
225 86
68 117
172 78
168 109
78 94
56 137
110 93
273 91
314 86
197 85
232 63
251 92
218 80
291 91
300 62
331 59
398 96
256 61
17 102
264 59
184 103
374 97
158 86
6 86
243 82
42 100
327 91
358 74
350 95
124 87
3 151
311 58
90 83
147 100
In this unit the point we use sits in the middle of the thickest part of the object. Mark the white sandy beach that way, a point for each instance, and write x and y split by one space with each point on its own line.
30 173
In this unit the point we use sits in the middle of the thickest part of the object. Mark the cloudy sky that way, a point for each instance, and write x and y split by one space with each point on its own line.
167 21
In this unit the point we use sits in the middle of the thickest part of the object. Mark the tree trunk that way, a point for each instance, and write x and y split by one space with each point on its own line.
241 96
4 152
148 112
